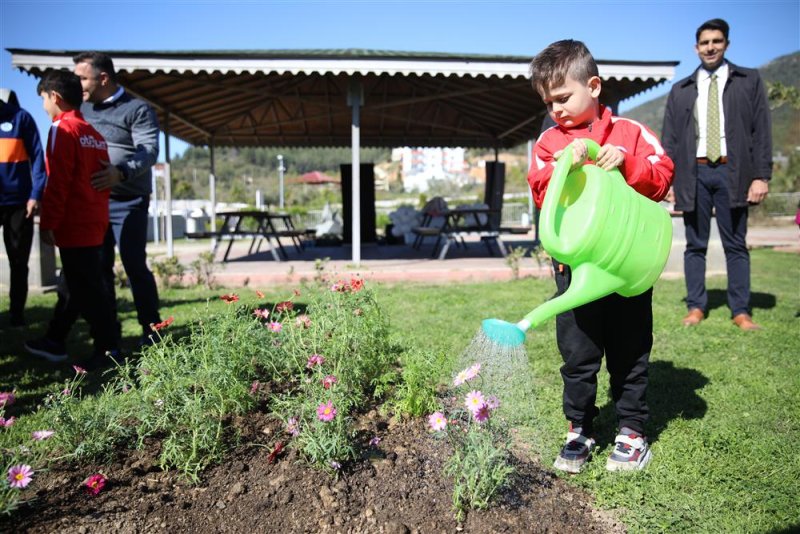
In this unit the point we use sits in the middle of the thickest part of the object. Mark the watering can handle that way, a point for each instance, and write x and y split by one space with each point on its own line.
592 148
558 181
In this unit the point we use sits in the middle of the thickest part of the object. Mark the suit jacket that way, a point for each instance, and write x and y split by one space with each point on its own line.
748 135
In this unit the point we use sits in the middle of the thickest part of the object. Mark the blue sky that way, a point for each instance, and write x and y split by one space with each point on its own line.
615 30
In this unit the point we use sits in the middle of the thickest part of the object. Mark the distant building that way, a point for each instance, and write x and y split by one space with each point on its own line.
419 165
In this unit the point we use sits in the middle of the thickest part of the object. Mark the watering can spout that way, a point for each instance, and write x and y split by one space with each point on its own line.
589 283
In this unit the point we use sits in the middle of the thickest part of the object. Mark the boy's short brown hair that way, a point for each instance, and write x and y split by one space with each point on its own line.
564 58
65 83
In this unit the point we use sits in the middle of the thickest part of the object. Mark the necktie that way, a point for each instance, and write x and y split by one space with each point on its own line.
712 122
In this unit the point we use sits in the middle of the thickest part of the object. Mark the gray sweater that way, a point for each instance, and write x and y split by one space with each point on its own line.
130 127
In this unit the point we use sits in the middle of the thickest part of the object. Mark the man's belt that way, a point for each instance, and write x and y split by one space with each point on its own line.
706 161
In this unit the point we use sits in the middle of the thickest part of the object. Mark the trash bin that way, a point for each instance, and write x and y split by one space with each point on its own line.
197 222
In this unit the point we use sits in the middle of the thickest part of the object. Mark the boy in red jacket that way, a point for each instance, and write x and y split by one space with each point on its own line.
74 215
566 76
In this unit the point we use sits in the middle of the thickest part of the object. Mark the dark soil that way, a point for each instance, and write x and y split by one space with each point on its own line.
397 487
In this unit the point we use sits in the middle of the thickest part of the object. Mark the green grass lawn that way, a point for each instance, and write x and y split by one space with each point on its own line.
725 404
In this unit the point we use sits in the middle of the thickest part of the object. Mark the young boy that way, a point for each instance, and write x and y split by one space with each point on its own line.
566 76
74 215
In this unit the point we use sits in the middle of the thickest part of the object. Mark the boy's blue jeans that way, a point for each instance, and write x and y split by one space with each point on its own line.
621 329
128 230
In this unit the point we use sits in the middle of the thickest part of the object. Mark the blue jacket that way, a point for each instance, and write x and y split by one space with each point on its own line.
748 135
22 171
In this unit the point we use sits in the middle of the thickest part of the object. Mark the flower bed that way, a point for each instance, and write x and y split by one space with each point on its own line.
228 405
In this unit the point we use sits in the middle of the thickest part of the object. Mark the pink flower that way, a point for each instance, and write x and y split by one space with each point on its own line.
303 320
292 426
41 435
95 483
437 421
7 398
326 412
358 312
481 414
315 359
374 441
493 402
296 292
19 476
5 423
259 294
329 381
473 371
261 314
275 327
79 370
254 387
284 306
66 392
232 297
460 378
474 400
467 374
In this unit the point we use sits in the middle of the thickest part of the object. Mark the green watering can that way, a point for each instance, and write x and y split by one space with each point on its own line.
613 238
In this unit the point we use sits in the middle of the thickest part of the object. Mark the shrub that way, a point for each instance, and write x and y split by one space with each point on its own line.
170 272
204 268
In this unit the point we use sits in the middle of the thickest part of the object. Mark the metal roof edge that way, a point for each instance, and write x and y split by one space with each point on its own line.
349 53
32 60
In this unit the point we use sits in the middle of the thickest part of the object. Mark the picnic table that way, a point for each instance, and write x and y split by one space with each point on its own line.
259 227
463 221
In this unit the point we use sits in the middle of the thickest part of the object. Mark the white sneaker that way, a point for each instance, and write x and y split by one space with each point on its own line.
575 452
630 453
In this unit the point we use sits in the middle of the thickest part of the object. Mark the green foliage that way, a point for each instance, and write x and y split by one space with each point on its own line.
204 268
512 259
342 335
780 94
480 468
187 387
169 271
415 394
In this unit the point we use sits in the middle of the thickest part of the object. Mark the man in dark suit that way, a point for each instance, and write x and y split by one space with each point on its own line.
717 131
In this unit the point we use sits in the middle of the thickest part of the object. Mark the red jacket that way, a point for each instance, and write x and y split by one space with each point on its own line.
646 168
75 211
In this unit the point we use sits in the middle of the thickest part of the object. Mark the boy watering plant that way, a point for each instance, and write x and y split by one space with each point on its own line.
566 76
74 215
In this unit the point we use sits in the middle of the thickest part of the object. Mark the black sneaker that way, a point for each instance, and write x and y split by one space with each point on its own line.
575 452
630 453
47 348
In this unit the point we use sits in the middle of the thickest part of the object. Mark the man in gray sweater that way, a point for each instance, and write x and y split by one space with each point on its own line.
130 128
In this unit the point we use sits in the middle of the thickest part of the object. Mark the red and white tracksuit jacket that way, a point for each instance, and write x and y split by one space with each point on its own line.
75 211
646 168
